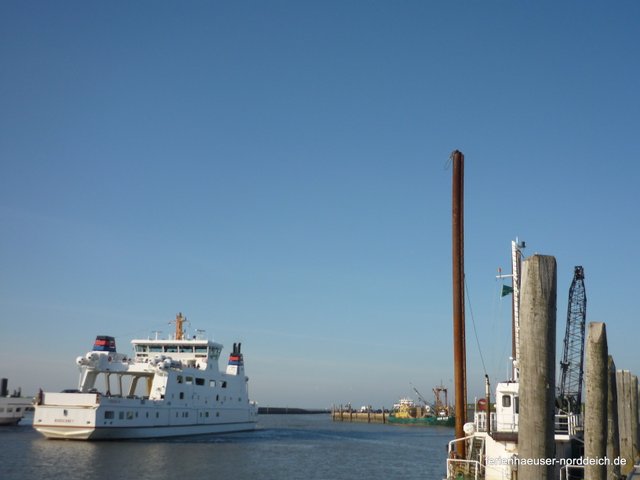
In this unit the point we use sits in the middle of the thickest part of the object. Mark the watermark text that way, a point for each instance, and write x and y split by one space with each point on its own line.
582 461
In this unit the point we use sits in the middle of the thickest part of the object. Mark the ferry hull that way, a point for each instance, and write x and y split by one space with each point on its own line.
79 416
13 409
124 433
10 420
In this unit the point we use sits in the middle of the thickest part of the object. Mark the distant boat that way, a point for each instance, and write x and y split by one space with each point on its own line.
171 387
407 412
12 407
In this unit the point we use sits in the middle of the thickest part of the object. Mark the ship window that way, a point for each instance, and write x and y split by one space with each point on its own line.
179 378
181 395
171 348
108 414
186 349
224 384
199 381
189 380
121 415
155 348
516 404
506 401
212 383
201 349
129 415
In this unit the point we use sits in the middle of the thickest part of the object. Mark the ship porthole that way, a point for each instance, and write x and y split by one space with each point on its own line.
65 413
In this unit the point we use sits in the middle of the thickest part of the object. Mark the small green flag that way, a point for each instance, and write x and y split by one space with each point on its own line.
506 290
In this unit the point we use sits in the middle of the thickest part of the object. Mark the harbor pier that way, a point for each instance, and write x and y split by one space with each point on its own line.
348 414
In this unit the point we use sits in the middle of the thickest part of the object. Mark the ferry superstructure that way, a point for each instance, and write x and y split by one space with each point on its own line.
170 387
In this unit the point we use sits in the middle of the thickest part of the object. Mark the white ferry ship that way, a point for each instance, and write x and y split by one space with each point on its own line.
169 388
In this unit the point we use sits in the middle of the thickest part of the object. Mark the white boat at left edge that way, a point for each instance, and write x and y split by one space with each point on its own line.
13 407
171 387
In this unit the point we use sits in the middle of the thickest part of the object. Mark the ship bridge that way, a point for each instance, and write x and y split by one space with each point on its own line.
197 353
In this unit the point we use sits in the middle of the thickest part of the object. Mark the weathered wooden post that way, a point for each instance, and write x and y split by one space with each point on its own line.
627 385
595 417
537 366
613 438
635 426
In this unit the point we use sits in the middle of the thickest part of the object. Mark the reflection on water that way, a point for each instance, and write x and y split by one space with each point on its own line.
286 446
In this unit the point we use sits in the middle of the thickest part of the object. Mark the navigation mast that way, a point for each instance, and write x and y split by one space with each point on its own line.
179 321
516 266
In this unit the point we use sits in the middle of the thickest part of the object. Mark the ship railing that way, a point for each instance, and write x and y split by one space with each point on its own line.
480 420
564 424
571 472
461 468
567 424
468 468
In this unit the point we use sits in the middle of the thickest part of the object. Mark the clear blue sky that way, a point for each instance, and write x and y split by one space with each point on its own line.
276 170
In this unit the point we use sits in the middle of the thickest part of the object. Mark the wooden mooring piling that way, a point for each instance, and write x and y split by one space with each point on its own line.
627 390
611 412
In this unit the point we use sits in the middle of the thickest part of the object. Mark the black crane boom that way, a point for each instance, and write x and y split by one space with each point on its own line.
572 364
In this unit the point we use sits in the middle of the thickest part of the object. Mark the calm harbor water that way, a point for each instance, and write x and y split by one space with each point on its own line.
285 447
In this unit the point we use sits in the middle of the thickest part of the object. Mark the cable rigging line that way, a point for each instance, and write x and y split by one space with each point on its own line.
473 321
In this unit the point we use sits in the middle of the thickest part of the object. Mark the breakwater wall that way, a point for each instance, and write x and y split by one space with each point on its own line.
290 411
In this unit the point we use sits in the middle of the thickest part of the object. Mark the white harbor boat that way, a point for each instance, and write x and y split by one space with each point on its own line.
491 440
170 387
12 406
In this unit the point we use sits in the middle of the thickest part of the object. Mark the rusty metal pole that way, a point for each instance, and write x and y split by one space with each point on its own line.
459 355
